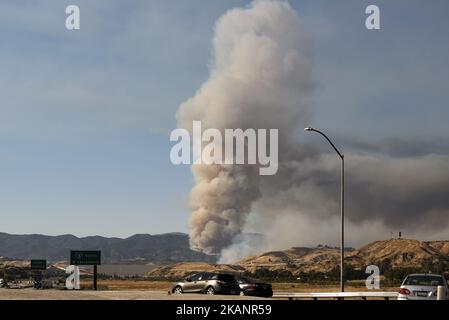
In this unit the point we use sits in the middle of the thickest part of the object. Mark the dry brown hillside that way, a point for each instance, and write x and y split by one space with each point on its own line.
400 254
9 263
180 270
441 246
385 254
321 259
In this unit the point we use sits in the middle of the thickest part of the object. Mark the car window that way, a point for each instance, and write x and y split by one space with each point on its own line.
433 281
205 276
224 277
196 277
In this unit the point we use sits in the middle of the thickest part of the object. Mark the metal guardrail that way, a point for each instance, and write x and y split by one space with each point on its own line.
334 295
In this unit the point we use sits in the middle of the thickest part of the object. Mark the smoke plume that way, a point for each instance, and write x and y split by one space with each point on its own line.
261 77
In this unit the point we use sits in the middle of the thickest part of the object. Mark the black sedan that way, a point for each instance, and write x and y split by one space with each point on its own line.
251 287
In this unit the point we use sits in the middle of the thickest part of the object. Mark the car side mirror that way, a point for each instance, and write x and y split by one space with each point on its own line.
189 279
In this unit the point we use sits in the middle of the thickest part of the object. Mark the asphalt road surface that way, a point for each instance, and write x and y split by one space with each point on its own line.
32 294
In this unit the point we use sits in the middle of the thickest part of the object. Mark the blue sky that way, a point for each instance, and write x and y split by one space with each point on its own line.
85 115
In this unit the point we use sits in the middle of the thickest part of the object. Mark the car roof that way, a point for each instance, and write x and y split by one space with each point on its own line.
425 274
213 273
221 273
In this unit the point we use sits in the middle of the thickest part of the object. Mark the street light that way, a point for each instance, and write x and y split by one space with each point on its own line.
342 248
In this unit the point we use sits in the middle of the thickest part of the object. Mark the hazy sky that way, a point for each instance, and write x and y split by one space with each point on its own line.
85 115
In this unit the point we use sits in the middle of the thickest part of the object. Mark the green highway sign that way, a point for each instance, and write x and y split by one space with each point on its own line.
85 258
38 264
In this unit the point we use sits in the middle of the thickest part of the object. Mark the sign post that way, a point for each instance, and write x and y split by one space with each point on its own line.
86 258
38 266
95 277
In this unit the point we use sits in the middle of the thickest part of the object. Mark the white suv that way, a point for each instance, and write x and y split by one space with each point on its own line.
421 286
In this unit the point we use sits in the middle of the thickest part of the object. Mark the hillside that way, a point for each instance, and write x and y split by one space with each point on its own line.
389 254
177 259
142 248
401 253
180 270
320 259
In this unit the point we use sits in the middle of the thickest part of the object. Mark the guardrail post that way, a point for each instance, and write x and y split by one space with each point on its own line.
442 293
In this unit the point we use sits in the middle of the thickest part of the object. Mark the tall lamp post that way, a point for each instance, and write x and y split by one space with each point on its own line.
342 246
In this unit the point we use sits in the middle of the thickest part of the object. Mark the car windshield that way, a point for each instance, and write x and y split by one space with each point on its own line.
432 281
224 277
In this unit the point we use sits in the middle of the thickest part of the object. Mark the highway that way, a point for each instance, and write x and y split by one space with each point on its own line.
51 294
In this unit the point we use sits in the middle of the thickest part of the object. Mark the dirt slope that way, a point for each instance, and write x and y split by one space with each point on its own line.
386 254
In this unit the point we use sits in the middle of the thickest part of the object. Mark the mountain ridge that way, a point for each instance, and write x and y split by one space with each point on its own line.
160 248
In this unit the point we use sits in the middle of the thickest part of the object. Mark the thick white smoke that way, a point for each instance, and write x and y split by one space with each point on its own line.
261 77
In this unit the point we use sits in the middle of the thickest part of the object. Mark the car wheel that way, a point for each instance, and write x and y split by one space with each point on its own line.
177 290
210 291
